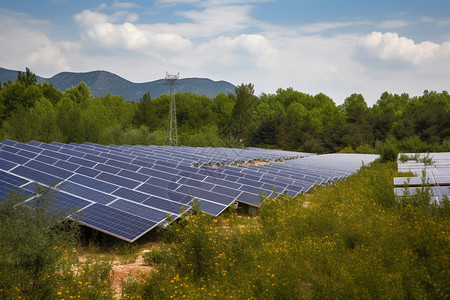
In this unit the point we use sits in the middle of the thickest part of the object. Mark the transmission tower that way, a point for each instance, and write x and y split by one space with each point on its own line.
172 138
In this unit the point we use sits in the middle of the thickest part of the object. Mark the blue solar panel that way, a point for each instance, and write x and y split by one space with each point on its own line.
211 174
108 169
95 158
226 183
164 193
226 191
82 161
133 175
94 183
122 165
147 163
211 208
10 149
202 194
167 184
249 198
27 154
50 147
66 165
34 143
165 163
59 203
166 205
48 169
8 142
8 191
117 157
166 169
86 192
255 190
121 181
130 194
6 165
46 159
115 222
140 210
192 175
250 182
71 152
36 175
191 182
232 178
162 178
28 147
159 174
13 157
55 154
87 171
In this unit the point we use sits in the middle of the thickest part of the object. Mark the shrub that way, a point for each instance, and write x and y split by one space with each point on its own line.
388 150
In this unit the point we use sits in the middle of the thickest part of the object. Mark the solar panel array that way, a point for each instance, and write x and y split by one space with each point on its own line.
126 191
435 176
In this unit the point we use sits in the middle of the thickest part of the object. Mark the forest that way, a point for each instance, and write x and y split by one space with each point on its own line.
288 119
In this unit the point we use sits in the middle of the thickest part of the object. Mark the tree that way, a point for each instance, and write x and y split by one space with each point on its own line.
242 121
28 78
32 242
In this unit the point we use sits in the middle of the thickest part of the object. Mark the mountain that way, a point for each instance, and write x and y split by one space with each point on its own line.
102 83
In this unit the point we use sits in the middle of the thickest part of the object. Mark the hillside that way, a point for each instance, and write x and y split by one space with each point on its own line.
103 82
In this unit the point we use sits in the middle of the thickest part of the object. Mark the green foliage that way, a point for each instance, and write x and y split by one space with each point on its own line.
288 119
388 150
35 254
352 240
154 257
27 78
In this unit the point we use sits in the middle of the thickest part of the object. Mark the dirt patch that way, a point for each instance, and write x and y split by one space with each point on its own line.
121 272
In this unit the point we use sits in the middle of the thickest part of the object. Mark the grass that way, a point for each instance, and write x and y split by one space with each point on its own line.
354 240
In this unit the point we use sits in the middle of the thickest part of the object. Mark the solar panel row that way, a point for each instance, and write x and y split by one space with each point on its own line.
432 174
111 188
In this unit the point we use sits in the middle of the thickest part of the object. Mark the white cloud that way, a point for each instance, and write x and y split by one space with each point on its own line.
444 22
246 50
99 29
117 5
209 2
25 44
394 23
390 47
325 26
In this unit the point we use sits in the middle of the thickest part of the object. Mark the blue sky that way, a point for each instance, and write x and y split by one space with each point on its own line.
329 46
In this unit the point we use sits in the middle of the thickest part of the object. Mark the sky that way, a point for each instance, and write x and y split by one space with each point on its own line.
314 46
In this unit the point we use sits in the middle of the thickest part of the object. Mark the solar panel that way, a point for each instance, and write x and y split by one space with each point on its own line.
6 165
36 175
94 183
140 210
48 169
146 183
114 222
85 192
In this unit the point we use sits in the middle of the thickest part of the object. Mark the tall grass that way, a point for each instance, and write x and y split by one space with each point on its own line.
354 240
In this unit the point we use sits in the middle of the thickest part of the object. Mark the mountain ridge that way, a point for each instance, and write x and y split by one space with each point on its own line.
103 82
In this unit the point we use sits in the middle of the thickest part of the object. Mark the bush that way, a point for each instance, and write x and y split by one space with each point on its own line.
35 251
354 240
388 150
153 257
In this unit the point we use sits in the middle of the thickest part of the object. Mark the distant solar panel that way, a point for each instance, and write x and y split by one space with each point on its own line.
110 186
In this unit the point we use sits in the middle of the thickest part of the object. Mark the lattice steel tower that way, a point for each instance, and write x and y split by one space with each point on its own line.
172 137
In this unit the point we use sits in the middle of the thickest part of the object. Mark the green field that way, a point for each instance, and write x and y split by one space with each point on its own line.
349 240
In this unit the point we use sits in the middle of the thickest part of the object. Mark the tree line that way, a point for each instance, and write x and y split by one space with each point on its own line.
288 119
